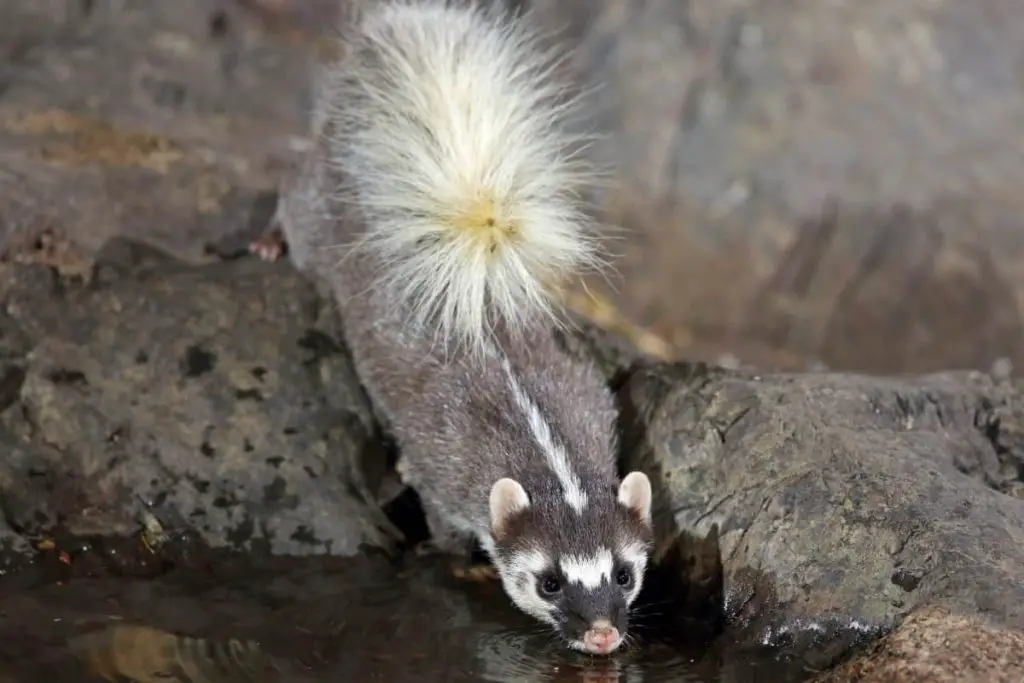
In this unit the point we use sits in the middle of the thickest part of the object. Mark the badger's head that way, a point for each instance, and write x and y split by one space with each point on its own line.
575 567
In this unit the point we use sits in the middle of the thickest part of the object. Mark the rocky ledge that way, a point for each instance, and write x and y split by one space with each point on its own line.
826 508
814 512
216 398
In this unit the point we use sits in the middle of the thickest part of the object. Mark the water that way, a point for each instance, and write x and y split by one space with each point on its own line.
227 619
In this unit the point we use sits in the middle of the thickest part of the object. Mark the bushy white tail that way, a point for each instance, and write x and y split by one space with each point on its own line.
454 134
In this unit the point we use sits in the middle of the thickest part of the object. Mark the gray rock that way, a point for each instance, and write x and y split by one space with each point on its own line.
719 102
840 502
168 125
730 125
218 396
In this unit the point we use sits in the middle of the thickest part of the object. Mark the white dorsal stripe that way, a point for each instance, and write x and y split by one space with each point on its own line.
588 571
554 452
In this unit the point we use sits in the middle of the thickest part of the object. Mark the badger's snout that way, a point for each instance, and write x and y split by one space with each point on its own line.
601 638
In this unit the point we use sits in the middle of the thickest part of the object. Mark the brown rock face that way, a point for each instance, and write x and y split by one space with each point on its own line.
934 646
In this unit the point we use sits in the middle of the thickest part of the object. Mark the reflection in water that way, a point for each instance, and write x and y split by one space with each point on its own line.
303 622
147 655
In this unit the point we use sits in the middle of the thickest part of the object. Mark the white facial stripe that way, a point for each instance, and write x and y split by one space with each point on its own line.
588 571
530 561
554 452
635 553
518 577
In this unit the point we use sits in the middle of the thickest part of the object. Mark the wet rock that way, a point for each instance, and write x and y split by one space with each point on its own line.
218 397
841 502
934 646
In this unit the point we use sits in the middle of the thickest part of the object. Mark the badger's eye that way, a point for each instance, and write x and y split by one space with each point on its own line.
624 578
550 585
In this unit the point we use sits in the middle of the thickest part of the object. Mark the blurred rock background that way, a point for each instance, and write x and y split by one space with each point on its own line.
803 182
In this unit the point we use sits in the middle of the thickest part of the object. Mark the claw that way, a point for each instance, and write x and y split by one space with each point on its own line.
477 573
270 246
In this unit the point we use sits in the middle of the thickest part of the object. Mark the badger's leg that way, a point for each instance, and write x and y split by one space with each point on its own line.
447 539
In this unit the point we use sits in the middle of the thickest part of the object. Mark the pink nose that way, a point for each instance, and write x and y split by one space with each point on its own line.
602 637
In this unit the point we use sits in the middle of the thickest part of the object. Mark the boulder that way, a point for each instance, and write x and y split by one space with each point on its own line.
840 503
217 398
933 646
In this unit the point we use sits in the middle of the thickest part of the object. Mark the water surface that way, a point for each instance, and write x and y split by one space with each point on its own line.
232 619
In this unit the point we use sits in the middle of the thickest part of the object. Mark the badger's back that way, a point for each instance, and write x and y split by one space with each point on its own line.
452 215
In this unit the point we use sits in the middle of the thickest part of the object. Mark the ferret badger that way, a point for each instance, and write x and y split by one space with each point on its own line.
440 206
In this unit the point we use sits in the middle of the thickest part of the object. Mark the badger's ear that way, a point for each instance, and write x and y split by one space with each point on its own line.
635 494
507 498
